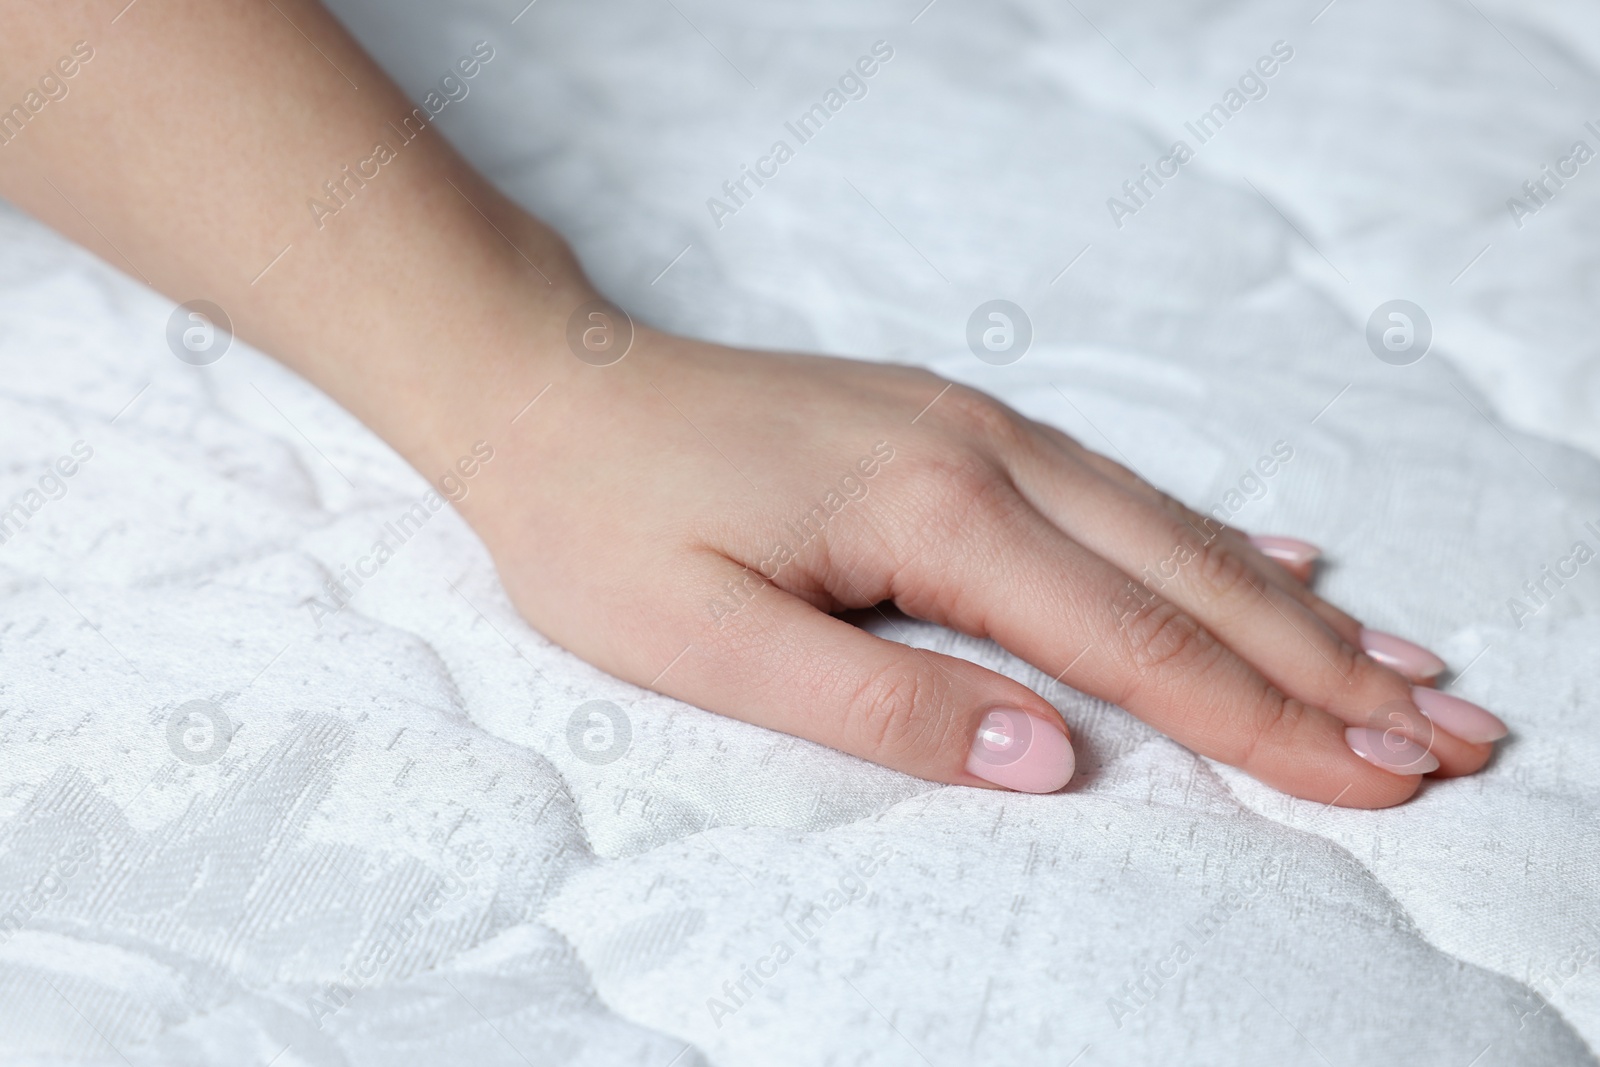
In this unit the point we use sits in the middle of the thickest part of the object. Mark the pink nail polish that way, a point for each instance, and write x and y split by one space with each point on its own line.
1390 750
1460 717
1290 550
1400 655
1021 751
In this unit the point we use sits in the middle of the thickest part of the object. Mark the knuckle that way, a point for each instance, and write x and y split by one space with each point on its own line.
960 475
953 490
982 416
895 711
1162 639
1276 720
954 503
1351 664
1205 526
1220 572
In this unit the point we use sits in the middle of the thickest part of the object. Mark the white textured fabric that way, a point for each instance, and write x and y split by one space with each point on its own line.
400 815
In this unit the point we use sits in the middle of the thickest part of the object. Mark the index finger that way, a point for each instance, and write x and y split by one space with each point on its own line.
1004 571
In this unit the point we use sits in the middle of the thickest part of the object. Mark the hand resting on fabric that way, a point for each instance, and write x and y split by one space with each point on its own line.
692 517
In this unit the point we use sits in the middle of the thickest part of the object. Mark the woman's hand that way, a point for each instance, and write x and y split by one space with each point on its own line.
689 517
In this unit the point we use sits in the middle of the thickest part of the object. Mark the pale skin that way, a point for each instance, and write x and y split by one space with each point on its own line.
621 506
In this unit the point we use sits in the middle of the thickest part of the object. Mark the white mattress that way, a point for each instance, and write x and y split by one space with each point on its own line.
400 812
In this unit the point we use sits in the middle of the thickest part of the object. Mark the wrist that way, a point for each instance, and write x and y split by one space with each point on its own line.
440 358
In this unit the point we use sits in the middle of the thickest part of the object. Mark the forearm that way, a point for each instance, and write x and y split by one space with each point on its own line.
193 149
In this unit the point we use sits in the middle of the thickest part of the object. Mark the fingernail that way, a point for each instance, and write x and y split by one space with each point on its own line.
1460 717
1286 549
1390 750
1021 751
1398 654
